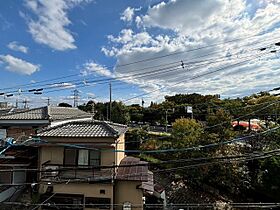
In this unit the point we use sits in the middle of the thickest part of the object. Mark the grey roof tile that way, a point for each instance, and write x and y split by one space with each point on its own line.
31 114
46 113
83 129
62 113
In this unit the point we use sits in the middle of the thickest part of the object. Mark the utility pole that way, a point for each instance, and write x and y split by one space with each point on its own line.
18 96
107 112
76 97
276 112
110 108
25 102
166 121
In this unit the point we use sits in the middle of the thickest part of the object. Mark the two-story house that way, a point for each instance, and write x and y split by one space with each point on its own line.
17 127
82 164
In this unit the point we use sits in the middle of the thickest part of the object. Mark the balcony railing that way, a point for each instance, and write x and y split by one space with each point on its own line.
56 172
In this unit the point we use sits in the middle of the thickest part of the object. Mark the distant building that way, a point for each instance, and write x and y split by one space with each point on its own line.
21 124
245 125
4 105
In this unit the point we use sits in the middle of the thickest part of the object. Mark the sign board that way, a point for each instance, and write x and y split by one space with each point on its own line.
3 134
189 109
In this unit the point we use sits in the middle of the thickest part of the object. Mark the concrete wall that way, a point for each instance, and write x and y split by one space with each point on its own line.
88 190
122 192
120 146
126 191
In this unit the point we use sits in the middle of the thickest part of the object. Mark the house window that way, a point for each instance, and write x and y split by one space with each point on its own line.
94 158
70 157
3 134
82 157
6 177
97 203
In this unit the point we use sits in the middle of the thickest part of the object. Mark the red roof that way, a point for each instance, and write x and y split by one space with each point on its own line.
246 125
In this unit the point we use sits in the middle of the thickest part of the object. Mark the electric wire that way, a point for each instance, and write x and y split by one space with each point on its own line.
134 62
96 80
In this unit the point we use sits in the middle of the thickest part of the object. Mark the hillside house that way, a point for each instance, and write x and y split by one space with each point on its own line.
16 128
81 167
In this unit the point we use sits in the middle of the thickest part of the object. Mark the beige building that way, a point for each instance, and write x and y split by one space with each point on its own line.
16 128
83 166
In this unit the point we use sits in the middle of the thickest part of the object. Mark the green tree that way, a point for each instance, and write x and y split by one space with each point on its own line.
220 124
63 104
120 113
88 107
186 132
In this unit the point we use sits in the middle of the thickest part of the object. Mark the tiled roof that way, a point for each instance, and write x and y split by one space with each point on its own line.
83 129
62 113
136 170
119 128
31 114
46 113
149 184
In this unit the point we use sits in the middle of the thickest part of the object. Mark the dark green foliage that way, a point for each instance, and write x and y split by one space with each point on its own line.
134 138
120 112
88 107
63 104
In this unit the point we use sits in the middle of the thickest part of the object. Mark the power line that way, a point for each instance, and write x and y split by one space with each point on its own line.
218 158
239 139
138 75
55 85
140 61
192 78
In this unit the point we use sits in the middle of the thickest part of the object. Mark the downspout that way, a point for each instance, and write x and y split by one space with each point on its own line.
114 176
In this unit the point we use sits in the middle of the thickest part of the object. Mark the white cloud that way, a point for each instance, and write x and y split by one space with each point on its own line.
17 47
130 42
186 25
49 26
92 67
127 14
181 14
18 65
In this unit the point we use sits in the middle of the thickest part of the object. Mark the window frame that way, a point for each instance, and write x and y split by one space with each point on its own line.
64 157
77 151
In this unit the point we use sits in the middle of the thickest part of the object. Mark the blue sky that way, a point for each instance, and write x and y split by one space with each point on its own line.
93 39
